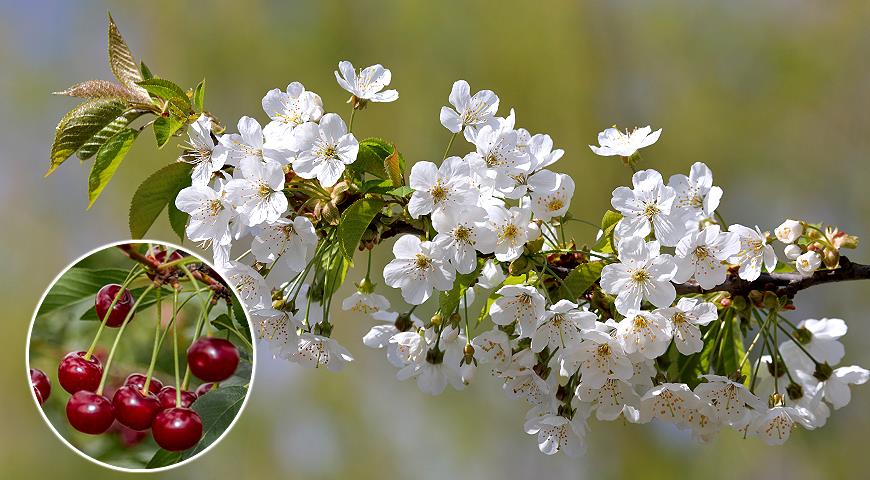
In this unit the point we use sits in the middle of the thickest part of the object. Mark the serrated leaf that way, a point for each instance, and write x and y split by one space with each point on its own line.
78 284
354 222
177 220
579 280
80 124
368 160
155 193
91 146
146 72
167 90
165 128
109 157
122 63
199 96
99 89
217 410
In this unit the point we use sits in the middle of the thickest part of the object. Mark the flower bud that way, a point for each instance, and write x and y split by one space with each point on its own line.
455 319
403 322
520 266
436 319
792 252
843 240
535 245
831 258
808 262
789 231
739 303
770 300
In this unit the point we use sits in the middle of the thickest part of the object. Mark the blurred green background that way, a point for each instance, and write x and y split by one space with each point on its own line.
771 95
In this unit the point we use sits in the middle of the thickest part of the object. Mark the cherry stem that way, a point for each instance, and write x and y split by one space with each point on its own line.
127 281
449 144
118 338
175 349
156 347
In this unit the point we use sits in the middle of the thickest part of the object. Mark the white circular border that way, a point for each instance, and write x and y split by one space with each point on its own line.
70 445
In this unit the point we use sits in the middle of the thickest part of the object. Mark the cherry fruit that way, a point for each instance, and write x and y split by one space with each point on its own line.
133 409
159 255
212 359
138 380
122 307
40 382
177 429
76 373
167 398
90 413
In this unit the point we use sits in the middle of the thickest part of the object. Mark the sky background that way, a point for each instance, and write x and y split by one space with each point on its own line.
771 95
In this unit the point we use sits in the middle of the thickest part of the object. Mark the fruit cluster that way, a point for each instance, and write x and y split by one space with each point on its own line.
142 403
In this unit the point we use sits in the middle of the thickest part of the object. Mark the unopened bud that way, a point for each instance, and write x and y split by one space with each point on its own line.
844 240
792 252
770 300
831 258
436 319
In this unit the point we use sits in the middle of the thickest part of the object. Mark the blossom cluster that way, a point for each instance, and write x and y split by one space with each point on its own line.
575 332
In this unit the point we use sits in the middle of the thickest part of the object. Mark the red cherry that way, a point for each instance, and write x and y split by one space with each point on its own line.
76 373
39 381
122 307
167 398
212 359
159 255
38 396
205 388
138 380
90 413
177 429
133 409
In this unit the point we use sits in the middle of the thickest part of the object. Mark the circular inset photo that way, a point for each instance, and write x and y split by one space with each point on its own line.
140 356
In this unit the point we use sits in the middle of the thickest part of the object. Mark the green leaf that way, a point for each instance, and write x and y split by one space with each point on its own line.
368 160
199 96
354 222
122 63
155 193
91 146
693 366
376 186
732 349
608 224
217 410
166 127
579 280
177 220
146 72
109 157
99 89
401 192
76 285
162 88
448 301
163 458
241 319
80 125
394 165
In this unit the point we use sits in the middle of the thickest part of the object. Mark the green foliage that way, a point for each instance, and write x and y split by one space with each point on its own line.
354 222
578 281
177 220
109 157
608 224
448 301
78 285
217 409
199 96
401 192
122 63
93 145
154 194
80 125
166 127
370 159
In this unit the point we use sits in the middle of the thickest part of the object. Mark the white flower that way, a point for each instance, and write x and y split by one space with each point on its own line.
696 193
417 269
210 214
792 251
836 388
314 350
291 241
471 112
704 256
461 234
540 148
277 328
753 251
671 402
598 357
624 144
521 381
437 189
512 231
820 338
380 336
686 317
550 194
642 273
789 231
561 325
730 401
807 263
259 193
522 304
324 149
646 333
497 153
250 285
368 85
774 426
250 143
202 151
491 275
614 398
492 346
290 109
648 206
367 303
557 433
411 347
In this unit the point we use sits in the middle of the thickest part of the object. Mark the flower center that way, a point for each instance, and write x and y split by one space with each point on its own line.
640 275
679 318
702 253
462 234
422 261
330 152
555 204
439 193
492 160
264 190
603 350
510 232
650 210
215 207
640 322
